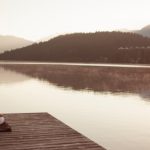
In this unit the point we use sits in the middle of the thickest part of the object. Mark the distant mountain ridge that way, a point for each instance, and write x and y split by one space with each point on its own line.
107 47
145 31
12 42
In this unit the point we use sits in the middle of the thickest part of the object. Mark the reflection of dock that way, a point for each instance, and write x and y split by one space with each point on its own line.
41 131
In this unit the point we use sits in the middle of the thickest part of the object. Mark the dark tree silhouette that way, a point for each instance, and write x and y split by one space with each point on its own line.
112 47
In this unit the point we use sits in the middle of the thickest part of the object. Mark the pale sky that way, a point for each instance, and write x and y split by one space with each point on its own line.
35 19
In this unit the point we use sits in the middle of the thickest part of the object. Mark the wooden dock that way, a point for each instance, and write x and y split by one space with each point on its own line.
41 131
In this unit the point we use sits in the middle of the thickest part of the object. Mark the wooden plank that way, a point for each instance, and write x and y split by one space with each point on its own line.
41 131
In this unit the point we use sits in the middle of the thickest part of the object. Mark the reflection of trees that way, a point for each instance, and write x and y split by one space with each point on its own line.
105 79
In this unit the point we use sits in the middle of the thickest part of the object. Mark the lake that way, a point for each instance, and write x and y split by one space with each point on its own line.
110 104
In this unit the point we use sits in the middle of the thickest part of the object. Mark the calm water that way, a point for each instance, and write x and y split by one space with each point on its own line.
110 105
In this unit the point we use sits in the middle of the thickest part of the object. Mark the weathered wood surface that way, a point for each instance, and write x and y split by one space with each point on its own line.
41 131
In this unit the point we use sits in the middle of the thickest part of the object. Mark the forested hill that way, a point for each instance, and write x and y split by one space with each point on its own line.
111 47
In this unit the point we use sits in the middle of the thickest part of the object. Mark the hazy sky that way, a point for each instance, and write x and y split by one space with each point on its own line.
34 19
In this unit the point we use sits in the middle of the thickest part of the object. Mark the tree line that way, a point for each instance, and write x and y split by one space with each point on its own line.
86 47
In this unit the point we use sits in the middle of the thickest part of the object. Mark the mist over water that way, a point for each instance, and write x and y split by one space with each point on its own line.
110 105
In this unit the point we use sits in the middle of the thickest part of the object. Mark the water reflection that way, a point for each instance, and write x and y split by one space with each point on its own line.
93 78
117 121
11 77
